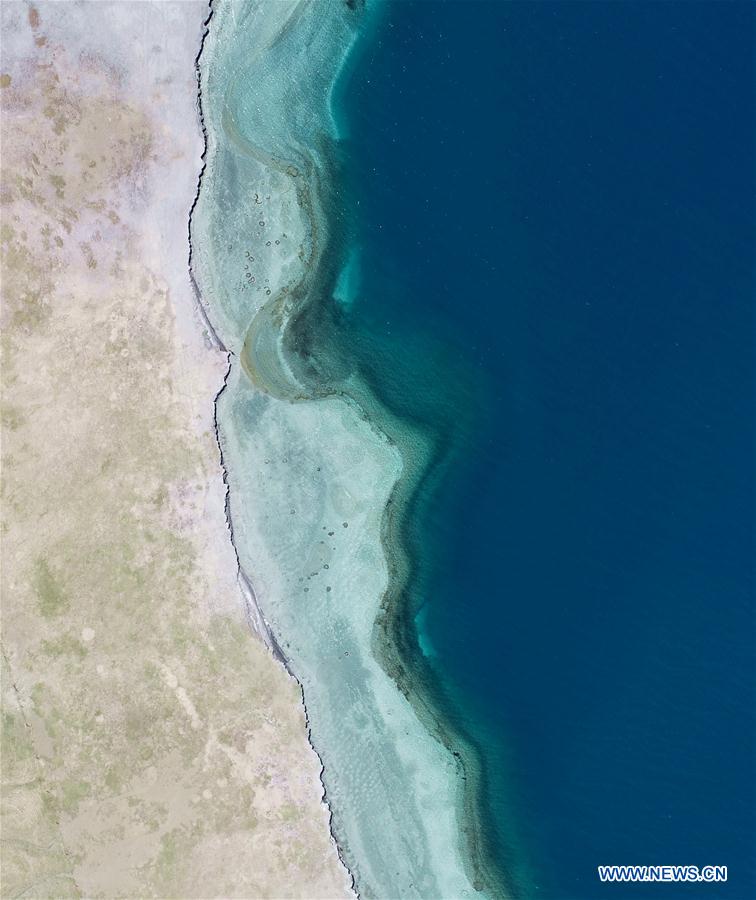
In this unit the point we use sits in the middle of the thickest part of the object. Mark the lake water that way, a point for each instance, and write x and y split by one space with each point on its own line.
551 221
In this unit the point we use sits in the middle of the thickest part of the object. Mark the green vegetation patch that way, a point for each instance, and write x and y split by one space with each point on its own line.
51 598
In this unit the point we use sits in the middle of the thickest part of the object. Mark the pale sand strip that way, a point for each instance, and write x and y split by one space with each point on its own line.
151 747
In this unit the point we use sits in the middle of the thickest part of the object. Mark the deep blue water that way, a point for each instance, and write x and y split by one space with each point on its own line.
562 195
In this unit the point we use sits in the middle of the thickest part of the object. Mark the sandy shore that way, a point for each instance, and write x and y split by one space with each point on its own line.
151 745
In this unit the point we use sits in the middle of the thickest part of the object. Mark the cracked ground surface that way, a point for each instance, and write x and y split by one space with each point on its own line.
150 745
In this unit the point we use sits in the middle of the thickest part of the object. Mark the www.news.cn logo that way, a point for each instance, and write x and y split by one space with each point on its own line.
663 873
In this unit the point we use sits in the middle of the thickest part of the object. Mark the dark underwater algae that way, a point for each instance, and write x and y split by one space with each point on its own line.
426 457
332 356
319 348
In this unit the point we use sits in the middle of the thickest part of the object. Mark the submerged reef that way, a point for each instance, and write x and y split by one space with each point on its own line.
324 471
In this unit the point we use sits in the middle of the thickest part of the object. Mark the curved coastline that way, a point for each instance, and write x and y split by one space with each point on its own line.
299 357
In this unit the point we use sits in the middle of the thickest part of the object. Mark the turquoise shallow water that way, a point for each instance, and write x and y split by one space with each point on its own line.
311 455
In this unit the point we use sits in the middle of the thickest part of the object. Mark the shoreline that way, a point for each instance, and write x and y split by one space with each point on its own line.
289 348
255 618
151 746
